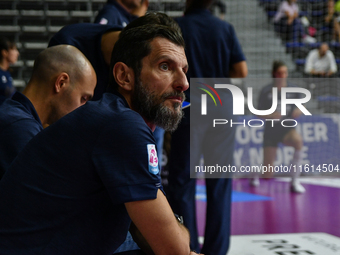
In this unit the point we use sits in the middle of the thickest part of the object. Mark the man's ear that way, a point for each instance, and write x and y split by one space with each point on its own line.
62 81
124 76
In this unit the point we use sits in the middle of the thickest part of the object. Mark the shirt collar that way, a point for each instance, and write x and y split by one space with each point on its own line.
22 99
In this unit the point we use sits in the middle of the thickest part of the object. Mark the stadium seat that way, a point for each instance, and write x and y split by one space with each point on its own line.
9 29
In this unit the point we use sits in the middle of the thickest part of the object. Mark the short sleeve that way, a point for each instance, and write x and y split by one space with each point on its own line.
236 52
124 161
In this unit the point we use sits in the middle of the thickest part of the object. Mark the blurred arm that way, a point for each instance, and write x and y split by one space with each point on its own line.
239 70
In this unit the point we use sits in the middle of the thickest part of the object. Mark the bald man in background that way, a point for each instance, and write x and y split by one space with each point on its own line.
62 80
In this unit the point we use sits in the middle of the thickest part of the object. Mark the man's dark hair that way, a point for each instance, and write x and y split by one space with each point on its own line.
157 18
134 42
276 65
6 44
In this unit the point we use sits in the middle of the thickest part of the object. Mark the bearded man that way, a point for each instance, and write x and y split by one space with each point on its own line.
77 185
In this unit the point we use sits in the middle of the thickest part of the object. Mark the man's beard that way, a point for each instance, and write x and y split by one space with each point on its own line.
152 107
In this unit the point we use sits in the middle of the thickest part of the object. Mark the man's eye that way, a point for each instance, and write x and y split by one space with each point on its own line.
164 67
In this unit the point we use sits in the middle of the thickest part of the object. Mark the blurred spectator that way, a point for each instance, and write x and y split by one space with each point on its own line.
288 24
96 42
321 62
121 12
275 133
213 50
8 55
331 20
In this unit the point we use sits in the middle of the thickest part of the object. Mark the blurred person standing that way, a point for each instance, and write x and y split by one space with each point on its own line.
276 133
213 51
8 55
288 23
121 12
331 20
321 62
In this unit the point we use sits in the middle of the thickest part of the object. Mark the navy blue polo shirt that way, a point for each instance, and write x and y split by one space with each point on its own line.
87 38
265 103
65 192
114 14
211 45
6 84
19 123
2 99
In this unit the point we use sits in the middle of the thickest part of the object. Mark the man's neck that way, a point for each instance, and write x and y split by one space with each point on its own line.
40 106
4 65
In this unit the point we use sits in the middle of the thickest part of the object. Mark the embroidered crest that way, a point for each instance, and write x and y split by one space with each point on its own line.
4 79
103 21
153 159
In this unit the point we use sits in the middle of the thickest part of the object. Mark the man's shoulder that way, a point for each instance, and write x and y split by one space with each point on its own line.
69 33
329 53
13 111
121 115
78 27
215 21
4 72
194 25
109 10
111 108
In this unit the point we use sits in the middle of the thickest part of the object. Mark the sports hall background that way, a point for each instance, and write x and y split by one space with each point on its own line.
308 221
32 23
